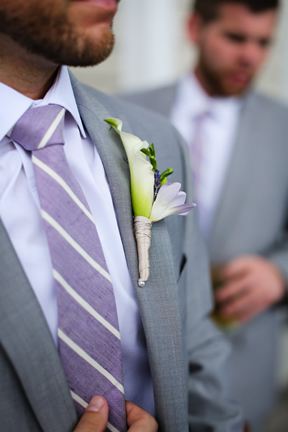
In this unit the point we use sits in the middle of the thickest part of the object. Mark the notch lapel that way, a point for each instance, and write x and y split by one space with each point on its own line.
158 301
238 180
28 343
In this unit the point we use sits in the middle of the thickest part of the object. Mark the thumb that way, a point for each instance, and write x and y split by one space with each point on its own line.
95 417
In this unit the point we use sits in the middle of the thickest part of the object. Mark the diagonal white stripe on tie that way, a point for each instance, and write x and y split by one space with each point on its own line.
78 399
74 244
89 360
51 129
63 184
84 304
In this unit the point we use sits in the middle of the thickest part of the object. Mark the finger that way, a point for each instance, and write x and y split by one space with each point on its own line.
254 306
139 420
236 268
232 290
239 308
252 313
95 417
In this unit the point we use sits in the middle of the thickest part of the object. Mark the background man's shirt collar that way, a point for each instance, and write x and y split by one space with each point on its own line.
195 101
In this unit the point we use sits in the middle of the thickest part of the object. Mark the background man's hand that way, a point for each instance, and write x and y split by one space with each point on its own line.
251 284
95 417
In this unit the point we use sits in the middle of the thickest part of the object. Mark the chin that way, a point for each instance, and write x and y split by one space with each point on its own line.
90 52
228 90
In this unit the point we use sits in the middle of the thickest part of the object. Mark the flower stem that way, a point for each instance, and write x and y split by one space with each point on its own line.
142 228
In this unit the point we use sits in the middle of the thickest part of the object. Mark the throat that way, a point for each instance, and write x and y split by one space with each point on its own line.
23 71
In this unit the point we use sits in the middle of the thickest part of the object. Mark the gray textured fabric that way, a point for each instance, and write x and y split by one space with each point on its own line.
34 394
34 380
251 218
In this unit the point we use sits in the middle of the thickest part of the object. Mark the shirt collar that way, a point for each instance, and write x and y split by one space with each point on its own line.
16 104
195 101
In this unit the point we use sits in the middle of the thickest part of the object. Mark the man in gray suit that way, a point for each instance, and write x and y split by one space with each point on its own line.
45 389
237 140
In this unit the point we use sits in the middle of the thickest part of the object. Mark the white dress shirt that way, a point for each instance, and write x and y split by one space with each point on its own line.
20 214
219 131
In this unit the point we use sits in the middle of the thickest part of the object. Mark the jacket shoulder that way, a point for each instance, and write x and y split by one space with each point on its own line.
139 117
149 94
275 109
159 99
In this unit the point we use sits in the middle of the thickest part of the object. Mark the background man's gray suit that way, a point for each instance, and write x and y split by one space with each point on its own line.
251 218
34 395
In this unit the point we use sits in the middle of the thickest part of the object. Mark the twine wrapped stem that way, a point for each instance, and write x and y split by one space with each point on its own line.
142 229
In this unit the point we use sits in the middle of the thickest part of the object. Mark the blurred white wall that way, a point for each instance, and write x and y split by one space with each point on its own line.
148 40
274 78
151 49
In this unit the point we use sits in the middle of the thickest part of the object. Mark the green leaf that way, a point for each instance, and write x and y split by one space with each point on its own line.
151 154
146 152
112 122
164 181
152 150
153 163
166 174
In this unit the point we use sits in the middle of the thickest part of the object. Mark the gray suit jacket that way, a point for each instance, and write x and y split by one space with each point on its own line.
34 395
251 218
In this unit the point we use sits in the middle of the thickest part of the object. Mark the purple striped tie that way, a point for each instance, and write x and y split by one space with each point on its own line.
88 330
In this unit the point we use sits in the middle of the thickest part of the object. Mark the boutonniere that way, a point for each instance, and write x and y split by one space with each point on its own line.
153 198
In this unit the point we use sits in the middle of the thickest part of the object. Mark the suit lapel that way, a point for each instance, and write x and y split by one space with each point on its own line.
158 300
116 166
28 343
239 178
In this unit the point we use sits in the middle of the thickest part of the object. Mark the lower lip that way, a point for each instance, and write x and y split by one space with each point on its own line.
240 79
107 4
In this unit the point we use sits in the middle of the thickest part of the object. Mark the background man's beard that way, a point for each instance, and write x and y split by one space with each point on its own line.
215 83
53 36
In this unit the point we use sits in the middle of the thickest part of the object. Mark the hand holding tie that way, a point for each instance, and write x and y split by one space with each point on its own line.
95 417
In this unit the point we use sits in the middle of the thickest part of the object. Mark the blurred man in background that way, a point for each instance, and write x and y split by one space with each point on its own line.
237 140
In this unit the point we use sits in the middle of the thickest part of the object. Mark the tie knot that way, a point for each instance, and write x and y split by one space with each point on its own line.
40 127
202 116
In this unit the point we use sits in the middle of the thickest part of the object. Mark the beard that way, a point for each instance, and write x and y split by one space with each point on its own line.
217 81
43 28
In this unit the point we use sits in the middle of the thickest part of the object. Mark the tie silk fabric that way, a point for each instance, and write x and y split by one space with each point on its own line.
196 152
88 329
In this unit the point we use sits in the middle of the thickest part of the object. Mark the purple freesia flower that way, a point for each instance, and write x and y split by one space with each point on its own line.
170 201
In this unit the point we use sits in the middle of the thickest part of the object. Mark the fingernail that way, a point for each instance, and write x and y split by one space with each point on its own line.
96 404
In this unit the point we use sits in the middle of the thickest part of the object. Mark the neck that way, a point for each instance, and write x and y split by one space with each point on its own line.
27 73
204 82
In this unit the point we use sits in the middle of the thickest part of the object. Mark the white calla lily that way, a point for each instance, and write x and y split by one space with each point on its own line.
141 173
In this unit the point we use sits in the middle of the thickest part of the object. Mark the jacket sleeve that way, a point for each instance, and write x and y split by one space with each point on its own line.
279 256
